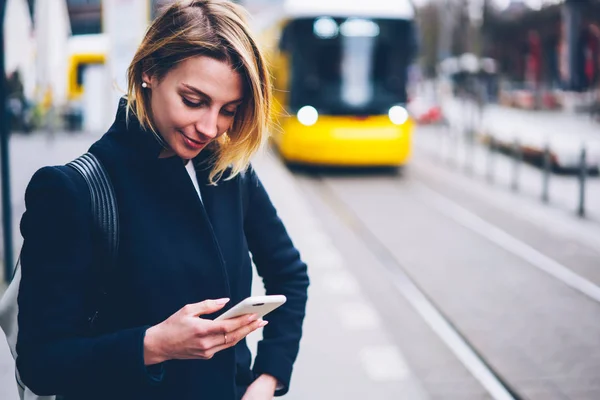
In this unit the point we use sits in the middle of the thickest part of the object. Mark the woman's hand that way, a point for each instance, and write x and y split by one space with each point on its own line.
263 388
185 336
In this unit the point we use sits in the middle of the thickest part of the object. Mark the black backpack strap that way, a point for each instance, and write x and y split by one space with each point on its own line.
104 203
105 217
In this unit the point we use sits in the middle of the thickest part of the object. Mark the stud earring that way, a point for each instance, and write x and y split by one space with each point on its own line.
144 85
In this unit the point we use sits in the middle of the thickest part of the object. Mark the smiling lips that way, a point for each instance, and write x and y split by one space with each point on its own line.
194 144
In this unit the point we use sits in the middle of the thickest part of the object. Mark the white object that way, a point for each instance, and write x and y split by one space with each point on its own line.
326 28
259 305
357 27
19 50
94 99
9 309
124 22
400 9
358 47
52 32
308 115
189 167
398 115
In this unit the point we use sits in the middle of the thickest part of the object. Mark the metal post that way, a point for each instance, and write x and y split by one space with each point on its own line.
444 134
4 162
582 179
458 139
447 142
547 165
517 158
469 155
454 158
472 139
490 160
441 140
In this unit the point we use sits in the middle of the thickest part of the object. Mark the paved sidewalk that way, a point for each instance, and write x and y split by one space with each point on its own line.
566 134
346 352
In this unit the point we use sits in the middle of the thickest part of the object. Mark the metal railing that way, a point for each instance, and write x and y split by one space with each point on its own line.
459 149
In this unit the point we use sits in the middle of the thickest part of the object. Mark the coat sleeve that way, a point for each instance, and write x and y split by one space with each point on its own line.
56 354
283 272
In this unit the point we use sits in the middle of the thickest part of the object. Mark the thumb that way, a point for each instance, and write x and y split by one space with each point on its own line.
206 307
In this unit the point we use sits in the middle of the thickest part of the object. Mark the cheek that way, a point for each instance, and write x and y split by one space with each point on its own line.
161 110
172 114
180 118
224 124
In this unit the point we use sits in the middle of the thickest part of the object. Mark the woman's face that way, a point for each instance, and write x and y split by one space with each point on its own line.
194 103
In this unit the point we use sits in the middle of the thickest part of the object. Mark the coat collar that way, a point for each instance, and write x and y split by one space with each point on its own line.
128 130
144 142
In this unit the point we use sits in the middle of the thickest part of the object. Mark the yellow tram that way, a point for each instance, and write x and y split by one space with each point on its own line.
341 69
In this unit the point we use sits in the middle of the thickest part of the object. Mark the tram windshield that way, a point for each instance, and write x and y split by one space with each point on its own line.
348 66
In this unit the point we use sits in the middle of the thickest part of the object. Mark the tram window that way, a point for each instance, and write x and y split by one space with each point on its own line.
286 36
318 77
80 69
329 62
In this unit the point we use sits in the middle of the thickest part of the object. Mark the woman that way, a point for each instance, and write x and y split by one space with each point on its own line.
197 107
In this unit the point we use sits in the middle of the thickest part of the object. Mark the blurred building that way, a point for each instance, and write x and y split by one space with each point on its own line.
85 16
87 45
545 53
52 29
37 34
556 46
20 45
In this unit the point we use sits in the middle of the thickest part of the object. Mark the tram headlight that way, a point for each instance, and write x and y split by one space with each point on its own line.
326 28
308 115
398 115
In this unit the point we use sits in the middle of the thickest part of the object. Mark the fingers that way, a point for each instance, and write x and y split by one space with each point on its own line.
207 328
237 335
204 307
233 324
215 343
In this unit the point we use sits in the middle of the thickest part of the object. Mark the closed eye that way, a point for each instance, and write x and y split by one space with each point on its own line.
229 113
193 104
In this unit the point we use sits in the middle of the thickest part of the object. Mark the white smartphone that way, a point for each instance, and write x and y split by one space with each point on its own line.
259 305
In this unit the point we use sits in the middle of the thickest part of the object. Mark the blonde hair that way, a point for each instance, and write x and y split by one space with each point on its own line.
217 29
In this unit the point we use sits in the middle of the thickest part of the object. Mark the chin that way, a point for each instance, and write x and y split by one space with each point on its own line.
187 154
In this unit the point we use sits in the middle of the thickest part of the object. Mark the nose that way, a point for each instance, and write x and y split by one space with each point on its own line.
207 124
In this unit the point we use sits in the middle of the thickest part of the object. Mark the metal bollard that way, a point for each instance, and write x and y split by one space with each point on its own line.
517 159
447 144
468 167
442 135
440 146
455 158
547 165
582 179
490 160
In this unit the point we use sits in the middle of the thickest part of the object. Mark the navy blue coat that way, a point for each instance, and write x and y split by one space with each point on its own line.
174 250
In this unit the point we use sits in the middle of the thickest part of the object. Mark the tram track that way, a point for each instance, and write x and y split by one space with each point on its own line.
495 384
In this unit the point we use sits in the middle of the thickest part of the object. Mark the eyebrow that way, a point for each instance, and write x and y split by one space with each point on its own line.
207 97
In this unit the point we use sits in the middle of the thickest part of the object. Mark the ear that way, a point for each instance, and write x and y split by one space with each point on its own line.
149 80
147 76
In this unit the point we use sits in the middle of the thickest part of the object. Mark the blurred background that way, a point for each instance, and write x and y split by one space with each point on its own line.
435 161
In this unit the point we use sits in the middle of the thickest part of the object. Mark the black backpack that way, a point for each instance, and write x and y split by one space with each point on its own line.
106 228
